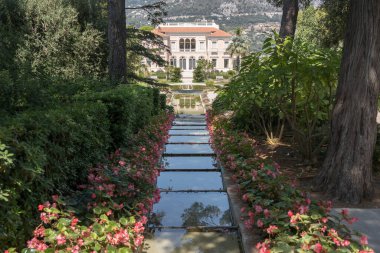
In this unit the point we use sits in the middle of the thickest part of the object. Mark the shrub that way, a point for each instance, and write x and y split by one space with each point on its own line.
175 75
287 218
129 108
109 213
286 82
50 149
210 83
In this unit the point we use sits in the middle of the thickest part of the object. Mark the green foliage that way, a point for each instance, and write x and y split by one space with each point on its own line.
287 81
310 26
55 144
175 75
203 71
335 21
50 148
288 219
55 44
129 108
12 21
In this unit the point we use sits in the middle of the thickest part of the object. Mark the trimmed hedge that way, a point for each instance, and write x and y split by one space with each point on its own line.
129 108
53 148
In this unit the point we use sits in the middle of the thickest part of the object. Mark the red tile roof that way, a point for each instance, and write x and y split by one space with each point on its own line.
211 31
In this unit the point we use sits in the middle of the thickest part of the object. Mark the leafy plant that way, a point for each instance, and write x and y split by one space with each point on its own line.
286 82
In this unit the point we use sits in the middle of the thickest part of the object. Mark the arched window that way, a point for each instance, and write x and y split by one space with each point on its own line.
182 62
173 61
192 63
182 45
193 45
187 45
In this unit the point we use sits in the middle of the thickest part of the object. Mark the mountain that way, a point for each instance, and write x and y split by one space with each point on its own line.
257 17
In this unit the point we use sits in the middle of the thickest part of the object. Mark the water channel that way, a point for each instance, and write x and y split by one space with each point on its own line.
193 215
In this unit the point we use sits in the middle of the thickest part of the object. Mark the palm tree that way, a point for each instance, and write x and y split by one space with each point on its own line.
239 46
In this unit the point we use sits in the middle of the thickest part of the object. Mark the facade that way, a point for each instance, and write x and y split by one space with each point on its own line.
190 42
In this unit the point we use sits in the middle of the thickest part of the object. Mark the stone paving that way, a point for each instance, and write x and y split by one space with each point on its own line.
193 215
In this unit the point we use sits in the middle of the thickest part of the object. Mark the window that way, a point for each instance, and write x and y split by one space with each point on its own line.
187 45
201 58
173 62
214 44
226 63
202 45
193 45
214 62
214 53
173 46
182 45
192 63
226 44
182 62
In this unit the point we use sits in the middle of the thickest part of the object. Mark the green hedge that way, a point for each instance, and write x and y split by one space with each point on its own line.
129 108
53 148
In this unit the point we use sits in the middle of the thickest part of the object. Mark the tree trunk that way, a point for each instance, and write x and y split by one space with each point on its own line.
117 41
289 18
347 170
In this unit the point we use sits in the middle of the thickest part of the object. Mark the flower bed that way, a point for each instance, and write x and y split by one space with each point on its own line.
288 219
109 213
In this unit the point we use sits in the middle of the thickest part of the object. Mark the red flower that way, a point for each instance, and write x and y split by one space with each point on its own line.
363 240
93 196
318 248
41 208
290 214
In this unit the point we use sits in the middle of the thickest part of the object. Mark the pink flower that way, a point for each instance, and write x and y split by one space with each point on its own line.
318 248
139 240
122 163
290 214
266 213
74 222
352 220
245 197
260 223
61 239
93 196
258 209
364 240
344 212
324 219
41 208
272 229
345 243
109 213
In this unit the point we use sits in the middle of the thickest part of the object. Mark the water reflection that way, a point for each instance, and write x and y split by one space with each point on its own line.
182 241
193 139
189 132
187 104
188 149
190 181
193 209
189 162
200 215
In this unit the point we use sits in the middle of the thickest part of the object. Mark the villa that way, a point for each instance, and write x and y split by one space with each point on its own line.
190 42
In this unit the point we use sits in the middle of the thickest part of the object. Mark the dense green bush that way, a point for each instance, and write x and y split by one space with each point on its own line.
53 146
129 108
52 150
287 83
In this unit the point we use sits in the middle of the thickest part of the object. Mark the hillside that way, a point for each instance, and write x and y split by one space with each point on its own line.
257 17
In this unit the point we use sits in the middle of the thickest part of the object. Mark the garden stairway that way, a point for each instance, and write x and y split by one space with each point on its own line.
193 215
